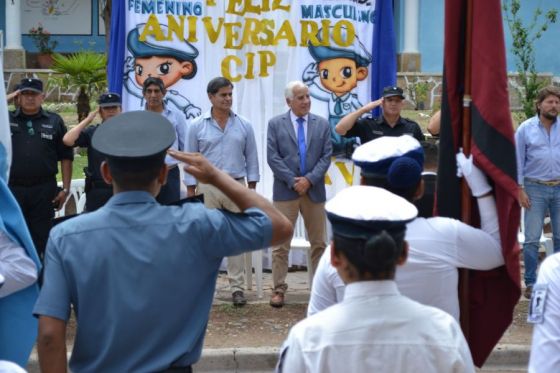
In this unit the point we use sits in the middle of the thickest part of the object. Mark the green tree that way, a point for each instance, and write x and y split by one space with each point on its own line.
524 38
84 71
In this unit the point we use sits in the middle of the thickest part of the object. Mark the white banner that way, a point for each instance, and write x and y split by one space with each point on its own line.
260 46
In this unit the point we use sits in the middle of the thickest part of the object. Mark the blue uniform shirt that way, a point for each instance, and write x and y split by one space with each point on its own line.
141 279
538 152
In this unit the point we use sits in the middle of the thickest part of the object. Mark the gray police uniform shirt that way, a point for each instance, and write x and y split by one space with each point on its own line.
141 278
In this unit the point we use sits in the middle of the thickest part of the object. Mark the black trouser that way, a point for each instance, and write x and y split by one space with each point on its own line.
171 191
97 196
38 210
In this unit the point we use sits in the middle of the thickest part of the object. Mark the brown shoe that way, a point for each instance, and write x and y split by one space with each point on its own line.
277 299
528 292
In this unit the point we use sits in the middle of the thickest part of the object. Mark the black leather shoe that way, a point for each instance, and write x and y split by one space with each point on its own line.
238 298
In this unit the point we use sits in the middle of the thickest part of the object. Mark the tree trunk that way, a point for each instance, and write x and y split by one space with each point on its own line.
107 19
82 104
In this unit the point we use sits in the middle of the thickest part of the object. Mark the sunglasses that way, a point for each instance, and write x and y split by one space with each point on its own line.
30 130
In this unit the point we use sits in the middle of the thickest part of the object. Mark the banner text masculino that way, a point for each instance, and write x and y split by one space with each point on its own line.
186 18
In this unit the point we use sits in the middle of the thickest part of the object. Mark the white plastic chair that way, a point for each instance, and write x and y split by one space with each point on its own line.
250 258
77 194
300 242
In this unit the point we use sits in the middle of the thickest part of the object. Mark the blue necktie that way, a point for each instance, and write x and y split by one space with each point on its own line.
301 145
338 106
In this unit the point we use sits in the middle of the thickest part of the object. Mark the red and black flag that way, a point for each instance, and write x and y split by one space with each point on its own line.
475 115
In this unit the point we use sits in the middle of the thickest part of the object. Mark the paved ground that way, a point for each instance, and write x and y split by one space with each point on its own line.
507 357
511 355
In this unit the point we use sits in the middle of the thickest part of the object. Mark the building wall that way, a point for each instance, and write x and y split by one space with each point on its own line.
66 43
432 26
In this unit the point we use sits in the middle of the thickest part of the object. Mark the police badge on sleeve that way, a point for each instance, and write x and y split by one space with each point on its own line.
537 304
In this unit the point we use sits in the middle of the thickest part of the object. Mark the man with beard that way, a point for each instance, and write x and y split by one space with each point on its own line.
538 172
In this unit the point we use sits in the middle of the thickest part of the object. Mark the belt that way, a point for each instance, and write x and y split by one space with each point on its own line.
26 182
545 182
99 184
187 369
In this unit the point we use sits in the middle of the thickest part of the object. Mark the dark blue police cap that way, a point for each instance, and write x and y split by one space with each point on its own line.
31 84
109 99
135 134
393 91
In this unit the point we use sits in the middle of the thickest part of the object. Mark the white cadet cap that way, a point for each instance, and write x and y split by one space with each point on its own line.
399 159
362 211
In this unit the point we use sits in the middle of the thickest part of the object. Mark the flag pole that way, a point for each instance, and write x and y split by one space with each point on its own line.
466 204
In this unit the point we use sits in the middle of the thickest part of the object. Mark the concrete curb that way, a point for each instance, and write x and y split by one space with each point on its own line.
261 359
507 355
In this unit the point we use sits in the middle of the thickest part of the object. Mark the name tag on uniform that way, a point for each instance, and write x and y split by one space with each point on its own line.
45 125
379 133
47 136
14 125
537 304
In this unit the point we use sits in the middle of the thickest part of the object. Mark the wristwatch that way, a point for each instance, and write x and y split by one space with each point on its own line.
65 191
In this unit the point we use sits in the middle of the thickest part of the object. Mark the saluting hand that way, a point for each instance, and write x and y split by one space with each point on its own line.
91 116
196 165
373 104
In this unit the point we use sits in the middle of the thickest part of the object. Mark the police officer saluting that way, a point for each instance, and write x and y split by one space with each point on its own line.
389 124
37 148
153 266
97 191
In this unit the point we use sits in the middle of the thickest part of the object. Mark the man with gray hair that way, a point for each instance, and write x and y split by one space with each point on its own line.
298 153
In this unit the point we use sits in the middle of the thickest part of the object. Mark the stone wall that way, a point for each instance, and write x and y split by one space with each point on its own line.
433 82
53 92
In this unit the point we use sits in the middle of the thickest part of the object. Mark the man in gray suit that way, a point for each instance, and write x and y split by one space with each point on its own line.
298 152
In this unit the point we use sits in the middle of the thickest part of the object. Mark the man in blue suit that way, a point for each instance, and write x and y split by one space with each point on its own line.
298 152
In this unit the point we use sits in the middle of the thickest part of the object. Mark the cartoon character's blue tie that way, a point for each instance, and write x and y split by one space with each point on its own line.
338 106
301 145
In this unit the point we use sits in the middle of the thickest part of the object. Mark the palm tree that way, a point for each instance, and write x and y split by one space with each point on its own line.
84 71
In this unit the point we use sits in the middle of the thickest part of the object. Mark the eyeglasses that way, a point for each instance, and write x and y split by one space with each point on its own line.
30 130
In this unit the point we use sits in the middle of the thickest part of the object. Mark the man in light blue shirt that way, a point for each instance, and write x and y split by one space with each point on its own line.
538 169
227 140
141 276
154 93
